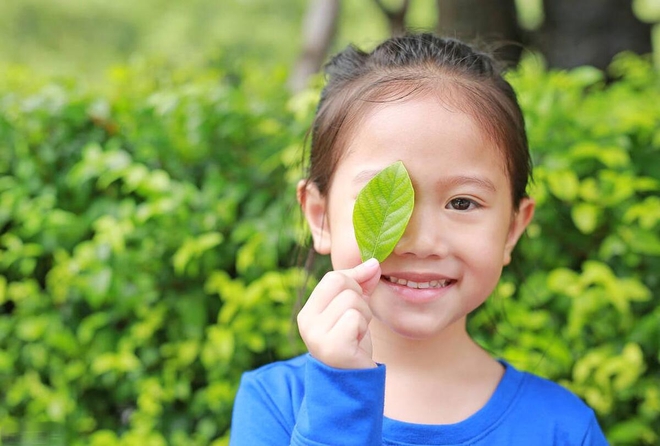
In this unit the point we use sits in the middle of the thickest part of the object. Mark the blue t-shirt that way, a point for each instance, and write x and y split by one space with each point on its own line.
304 402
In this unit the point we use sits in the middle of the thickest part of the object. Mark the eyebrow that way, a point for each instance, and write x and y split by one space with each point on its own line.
463 180
450 182
365 176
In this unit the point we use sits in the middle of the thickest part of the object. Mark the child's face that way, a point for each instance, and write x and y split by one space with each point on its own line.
463 226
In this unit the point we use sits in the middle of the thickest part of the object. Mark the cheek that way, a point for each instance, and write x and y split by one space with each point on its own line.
344 251
483 260
485 246
342 261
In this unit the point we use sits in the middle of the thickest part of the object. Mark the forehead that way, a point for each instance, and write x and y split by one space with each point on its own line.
426 128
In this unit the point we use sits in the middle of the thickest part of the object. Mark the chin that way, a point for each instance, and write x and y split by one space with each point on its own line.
418 327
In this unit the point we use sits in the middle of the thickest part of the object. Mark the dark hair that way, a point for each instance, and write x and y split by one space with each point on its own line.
402 67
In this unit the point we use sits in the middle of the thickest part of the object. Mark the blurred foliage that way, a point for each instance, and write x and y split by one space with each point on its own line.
580 303
84 38
142 232
70 37
149 232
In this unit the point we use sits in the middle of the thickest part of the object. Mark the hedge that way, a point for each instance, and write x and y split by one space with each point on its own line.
150 238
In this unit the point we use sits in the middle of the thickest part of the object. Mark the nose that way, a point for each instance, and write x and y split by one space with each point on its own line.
424 235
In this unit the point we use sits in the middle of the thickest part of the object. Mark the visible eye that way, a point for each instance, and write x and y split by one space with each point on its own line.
462 204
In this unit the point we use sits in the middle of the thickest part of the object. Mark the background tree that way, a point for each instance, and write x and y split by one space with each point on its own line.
396 17
482 21
590 32
568 34
318 28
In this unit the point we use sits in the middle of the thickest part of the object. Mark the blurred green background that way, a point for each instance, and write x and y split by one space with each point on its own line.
150 243
84 38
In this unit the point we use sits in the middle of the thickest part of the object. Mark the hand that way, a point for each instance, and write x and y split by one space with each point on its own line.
334 323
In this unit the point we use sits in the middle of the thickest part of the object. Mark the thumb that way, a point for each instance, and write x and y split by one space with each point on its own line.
367 275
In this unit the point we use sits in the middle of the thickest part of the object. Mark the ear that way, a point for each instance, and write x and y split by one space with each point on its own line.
314 206
519 223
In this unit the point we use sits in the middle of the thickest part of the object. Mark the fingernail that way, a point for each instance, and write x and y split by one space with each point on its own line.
371 263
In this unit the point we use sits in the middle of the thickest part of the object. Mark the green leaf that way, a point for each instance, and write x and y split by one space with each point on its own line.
586 217
564 184
382 211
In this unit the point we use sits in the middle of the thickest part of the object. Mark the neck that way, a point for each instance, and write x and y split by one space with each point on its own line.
442 379
447 351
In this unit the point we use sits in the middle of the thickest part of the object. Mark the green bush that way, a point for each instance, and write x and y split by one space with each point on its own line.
145 252
580 303
149 233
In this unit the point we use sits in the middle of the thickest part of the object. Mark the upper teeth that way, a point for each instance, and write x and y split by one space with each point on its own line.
410 284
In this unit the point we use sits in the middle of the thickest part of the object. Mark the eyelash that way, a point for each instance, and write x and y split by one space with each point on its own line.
472 205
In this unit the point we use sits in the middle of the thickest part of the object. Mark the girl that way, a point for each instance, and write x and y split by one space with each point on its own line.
390 361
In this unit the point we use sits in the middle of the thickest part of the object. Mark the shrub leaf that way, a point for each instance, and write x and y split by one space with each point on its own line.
382 211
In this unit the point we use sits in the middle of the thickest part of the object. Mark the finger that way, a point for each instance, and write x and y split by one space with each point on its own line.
366 275
315 326
362 279
346 301
330 286
316 329
349 332
350 328
369 285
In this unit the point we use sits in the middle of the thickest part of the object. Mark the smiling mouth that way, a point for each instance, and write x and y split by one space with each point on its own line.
419 285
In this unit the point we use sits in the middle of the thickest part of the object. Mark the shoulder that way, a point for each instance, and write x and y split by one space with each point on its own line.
290 367
287 383
552 411
305 375
270 396
548 396
267 402
281 379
